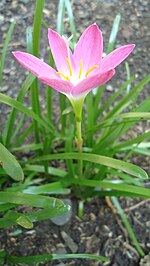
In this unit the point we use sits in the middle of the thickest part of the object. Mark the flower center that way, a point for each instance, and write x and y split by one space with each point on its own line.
80 70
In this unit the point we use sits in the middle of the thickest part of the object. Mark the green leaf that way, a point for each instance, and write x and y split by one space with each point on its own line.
60 17
116 193
4 50
128 77
52 188
37 26
26 220
132 141
3 254
29 147
113 34
127 225
51 170
145 115
35 51
99 159
29 32
127 99
10 164
68 148
133 190
52 207
30 200
90 118
126 178
71 20
13 103
48 257
8 131
127 116
6 206
114 132
113 98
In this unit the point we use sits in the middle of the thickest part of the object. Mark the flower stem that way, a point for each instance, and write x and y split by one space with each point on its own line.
77 105
79 143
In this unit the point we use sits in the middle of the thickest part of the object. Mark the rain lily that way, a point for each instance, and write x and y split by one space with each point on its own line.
78 72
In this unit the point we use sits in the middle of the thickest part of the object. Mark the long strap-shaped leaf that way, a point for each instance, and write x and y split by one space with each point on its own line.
10 164
99 159
49 257
11 120
30 200
127 225
51 208
13 103
4 50
133 190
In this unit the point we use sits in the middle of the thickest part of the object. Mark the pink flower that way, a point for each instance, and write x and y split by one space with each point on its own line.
79 72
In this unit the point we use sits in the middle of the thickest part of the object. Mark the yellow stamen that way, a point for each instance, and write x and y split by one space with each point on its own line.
81 69
61 74
88 72
69 65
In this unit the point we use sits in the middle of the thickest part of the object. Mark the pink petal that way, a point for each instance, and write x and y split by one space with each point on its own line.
35 65
59 85
89 48
92 82
60 50
116 57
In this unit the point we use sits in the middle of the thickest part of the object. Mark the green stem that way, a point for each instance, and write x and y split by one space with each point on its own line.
77 105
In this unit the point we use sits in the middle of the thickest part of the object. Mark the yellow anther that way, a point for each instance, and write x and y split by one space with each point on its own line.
69 65
61 74
81 69
91 69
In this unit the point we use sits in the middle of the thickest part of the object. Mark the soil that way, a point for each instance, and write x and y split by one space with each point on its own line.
100 231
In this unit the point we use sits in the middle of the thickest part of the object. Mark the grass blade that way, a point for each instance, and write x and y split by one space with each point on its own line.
4 50
29 33
18 127
35 45
51 189
90 118
127 225
26 220
113 34
10 164
60 17
13 103
11 120
37 26
49 257
99 159
126 100
106 105
134 191
49 93
30 200
128 76
71 20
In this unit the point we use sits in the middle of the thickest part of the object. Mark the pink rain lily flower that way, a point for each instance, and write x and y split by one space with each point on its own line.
78 72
